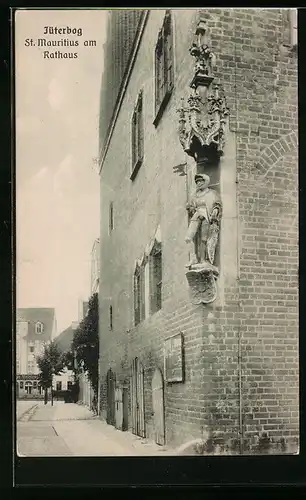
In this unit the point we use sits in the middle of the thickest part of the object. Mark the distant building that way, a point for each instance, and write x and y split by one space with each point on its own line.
63 381
95 267
35 328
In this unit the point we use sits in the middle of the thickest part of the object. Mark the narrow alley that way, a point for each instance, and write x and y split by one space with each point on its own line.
72 430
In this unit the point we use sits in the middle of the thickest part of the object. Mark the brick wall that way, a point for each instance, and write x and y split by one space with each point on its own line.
122 27
241 352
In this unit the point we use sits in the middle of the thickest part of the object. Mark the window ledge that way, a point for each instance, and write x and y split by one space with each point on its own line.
136 168
162 107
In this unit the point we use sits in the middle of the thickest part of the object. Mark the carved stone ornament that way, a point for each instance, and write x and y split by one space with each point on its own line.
202 123
203 286
202 135
204 58
205 212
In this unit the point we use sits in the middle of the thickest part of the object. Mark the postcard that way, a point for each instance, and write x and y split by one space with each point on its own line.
157 232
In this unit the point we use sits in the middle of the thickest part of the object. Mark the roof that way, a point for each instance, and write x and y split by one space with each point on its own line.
64 339
32 315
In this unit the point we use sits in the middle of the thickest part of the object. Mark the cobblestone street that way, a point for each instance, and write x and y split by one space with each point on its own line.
72 430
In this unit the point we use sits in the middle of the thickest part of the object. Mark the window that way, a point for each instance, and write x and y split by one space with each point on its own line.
293 27
31 366
59 385
39 327
163 67
137 137
110 317
156 278
31 348
111 217
28 387
139 294
21 384
69 385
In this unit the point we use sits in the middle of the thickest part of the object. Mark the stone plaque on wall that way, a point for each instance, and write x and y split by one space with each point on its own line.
173 358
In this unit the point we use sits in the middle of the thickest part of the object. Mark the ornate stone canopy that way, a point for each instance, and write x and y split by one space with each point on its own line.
202 121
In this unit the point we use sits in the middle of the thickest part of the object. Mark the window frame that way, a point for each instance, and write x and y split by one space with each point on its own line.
111 224
164 67
39 327
111 318
31 367
156 286
137 136
139 293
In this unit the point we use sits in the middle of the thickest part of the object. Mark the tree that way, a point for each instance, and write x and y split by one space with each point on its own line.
50 363
85 344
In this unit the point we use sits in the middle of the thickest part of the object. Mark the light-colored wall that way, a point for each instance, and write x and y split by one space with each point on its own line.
22 346
26 360
64 377
95 267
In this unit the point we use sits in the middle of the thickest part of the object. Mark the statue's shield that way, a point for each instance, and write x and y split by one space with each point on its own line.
202 283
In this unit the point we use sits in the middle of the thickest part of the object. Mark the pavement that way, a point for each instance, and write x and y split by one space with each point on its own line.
23 406
68 429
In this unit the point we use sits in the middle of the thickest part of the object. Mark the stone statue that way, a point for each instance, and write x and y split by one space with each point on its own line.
205 210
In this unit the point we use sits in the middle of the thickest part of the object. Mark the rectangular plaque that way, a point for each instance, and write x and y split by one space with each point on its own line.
173 358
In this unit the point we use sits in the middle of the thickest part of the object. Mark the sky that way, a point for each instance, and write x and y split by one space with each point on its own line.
57 184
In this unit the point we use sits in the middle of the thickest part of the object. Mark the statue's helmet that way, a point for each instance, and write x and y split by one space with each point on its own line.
202 177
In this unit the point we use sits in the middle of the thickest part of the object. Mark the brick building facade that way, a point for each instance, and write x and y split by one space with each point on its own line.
237 386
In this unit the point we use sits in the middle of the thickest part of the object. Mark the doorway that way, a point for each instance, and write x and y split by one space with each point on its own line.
158 407
137 396
28 388
110 397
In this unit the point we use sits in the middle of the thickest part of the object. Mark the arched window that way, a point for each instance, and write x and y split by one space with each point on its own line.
156 277
139 294
39 327
137 136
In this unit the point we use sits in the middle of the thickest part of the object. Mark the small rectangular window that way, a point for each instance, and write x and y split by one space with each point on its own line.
111 217
59 385
137 137
110 317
